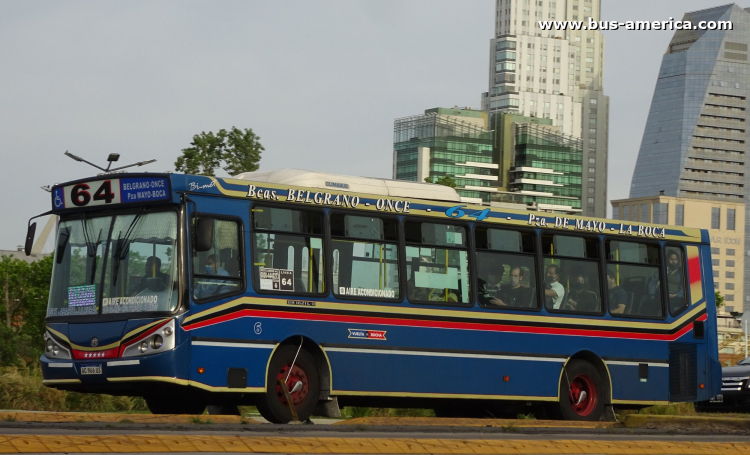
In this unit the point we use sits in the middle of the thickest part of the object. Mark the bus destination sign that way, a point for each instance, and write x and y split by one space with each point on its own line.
110 192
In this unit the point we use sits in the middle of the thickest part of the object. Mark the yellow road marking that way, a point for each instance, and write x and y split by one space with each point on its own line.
194 443
467 422
80 417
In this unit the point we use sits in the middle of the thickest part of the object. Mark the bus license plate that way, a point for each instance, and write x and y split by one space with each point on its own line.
91 369
717 399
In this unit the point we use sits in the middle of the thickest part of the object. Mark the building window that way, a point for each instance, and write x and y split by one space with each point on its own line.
730 263
615 213
592 160
715 262
661 213
716 274
729 298
626 212
715 218
730 251
591 200
729 286
715 251
644 213
730 275
679 215
730 219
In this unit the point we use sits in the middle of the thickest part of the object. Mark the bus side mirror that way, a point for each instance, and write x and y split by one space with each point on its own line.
204 236
30 238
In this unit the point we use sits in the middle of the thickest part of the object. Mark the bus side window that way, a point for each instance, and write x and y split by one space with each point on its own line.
218 271
634 285
288 251
675 261
437 263
571 274
365 257
506 271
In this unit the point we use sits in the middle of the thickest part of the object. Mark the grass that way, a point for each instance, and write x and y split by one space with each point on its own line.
22 388
351 412
198 420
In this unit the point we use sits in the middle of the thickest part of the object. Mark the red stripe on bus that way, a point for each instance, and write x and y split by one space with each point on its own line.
436 324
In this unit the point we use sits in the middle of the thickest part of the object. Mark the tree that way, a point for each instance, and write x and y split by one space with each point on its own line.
446 180
235 151
719 299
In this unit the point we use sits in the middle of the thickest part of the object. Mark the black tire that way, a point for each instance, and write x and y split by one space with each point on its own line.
272 404
172 405
581 376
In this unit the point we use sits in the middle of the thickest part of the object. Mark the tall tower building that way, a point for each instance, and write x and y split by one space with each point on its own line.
554 74
695 141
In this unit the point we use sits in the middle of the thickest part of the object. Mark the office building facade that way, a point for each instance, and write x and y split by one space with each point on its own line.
557 75
695 142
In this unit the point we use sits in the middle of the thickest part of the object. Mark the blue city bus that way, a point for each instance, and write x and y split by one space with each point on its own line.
299 291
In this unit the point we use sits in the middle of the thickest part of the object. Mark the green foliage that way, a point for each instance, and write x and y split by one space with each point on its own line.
719 299
446 180
353 411
235 151
24 290
672 409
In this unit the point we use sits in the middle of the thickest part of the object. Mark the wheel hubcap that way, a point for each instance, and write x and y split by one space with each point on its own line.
582 395
296 384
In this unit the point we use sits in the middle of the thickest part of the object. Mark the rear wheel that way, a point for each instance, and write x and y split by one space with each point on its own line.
172 405
582 392
302 382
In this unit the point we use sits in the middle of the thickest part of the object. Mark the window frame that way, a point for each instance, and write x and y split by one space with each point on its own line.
469 248
534 255
325 237
662 275
241 248
685 282
399 242
600 259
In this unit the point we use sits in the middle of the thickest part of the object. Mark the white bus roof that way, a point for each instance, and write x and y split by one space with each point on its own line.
376 186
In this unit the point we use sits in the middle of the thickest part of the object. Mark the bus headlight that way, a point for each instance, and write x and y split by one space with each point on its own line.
53 349
153 341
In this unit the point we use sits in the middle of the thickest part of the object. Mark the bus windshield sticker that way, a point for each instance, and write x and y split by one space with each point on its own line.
134 304
79 296
371 334
276 279
364 292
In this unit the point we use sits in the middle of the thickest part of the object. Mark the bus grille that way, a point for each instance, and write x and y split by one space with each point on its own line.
683 372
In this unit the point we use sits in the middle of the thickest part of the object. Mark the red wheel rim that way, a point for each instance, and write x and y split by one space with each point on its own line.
298 375
582 395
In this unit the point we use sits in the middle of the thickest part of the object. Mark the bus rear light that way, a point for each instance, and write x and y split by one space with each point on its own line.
201 370
701 386
506 378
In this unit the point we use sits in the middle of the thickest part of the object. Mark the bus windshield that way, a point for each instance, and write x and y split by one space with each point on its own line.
115 264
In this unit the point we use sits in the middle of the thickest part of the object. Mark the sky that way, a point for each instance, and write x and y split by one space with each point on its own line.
320 82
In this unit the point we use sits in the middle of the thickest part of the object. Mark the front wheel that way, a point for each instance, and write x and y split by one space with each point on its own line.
302 382
582 392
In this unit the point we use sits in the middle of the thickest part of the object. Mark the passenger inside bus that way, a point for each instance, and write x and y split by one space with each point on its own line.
153 278
581 297
211 287
618 297
675 281
491 289
554 292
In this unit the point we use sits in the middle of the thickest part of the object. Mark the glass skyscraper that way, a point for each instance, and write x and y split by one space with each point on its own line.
695 141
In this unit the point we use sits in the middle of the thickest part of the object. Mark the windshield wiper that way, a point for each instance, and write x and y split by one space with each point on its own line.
91 247
123 246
